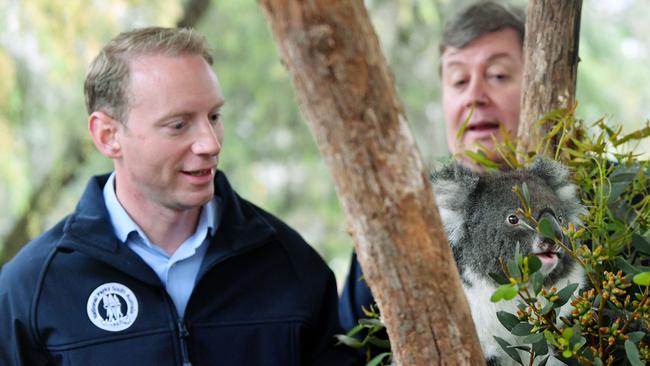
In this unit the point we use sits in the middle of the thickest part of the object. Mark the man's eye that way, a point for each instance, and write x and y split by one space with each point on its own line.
215 117
513 220
500 77
179 125
458 83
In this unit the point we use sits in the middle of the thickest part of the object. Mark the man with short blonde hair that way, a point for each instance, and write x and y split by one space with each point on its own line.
162 263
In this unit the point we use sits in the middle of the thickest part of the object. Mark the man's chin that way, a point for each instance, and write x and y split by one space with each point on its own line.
194 200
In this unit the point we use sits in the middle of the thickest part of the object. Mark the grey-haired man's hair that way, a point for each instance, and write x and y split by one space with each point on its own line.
107 79
481 18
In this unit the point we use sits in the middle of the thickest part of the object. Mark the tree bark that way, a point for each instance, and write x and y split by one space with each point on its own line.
347 94
551 64
193 11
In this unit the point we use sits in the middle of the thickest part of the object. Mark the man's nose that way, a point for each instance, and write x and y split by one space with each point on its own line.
476 93
207 141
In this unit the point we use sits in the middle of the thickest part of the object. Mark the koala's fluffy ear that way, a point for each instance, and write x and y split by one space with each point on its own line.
452 187
552 172
556 176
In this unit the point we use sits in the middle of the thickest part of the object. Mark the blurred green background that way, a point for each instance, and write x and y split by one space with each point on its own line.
46 156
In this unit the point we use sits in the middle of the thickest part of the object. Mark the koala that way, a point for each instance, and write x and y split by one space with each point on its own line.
479 214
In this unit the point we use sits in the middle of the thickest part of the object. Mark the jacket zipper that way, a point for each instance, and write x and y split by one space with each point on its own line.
183 333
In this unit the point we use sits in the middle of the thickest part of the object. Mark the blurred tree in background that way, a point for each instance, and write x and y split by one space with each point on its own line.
269 155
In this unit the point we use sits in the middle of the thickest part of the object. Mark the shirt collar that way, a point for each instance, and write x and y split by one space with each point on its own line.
123 225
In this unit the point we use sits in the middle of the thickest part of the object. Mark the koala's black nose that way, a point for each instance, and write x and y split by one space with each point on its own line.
555 224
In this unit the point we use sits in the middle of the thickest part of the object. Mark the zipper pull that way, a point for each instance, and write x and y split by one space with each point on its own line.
183 333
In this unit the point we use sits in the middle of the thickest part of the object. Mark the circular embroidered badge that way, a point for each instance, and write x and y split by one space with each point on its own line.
112 307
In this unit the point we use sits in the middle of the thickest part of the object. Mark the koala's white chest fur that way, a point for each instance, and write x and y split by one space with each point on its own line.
484 313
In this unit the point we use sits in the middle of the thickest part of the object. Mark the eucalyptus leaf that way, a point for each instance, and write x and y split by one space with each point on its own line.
349 341
573 151
534 264
537 281
499 278
463 126
481 158
522 348
524 192
517 251
508 320
567 333
513 267
641 244
533 338
632 354
540 347
378 359
553 115
622 211
615 190
565 294
642 279
577 340
371 322
625 266
504 292
545 228
547 308
381 343
624 174
544 361
507 348
354 330
634 337
550 337
522 329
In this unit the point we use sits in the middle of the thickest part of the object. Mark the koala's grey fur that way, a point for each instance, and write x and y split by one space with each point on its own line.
474 209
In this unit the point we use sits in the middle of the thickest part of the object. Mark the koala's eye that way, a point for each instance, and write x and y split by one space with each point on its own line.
513 220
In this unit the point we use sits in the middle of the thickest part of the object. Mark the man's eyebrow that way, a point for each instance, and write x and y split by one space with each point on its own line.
500 55
173 115
187 113
496 56
219 104
453 63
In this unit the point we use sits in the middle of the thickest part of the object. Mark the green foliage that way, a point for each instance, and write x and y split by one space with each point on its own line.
606 322
370 334
46 45
504 292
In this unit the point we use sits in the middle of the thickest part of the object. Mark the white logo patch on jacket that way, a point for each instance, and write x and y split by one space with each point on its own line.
112 307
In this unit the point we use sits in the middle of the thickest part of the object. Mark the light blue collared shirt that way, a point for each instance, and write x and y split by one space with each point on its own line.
178 271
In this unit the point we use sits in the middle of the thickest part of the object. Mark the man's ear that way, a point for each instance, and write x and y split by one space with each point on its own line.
103 130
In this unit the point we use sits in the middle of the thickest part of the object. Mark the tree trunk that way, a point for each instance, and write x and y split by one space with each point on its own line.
347 94
551 65
193 11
